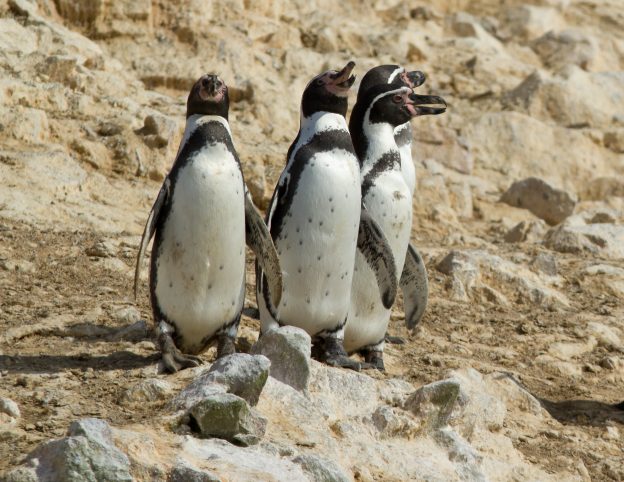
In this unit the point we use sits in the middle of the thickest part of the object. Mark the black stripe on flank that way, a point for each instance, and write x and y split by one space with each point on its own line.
385 163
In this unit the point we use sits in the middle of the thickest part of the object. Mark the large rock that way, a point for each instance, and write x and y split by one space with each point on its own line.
434 403
602 238
321 469
479 273
288 348
548 203
229 417
87 454
240 374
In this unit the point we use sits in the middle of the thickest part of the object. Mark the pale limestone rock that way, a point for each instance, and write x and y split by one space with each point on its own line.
151 390
530 231
528 21
288 348
606 239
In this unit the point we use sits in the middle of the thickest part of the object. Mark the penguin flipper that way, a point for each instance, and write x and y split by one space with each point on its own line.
373 244
150 228
415 287
259 240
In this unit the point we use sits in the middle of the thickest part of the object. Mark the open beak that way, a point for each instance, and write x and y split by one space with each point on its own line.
422 103
344 79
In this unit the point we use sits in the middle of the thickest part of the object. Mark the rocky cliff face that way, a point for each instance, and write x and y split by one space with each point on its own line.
519 213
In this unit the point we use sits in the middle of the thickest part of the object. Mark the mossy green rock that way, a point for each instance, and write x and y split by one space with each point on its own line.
227 416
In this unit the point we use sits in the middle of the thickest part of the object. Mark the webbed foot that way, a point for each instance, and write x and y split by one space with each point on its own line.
173 359
225 345
374 359
330 351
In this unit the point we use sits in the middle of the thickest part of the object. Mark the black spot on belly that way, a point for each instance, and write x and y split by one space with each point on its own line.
297 229
309 220
299 269
320 223
221 268
209 287
170 284
308 300
233 303
331 199
300 242
192 278
318 258
332 210
328 275
327 293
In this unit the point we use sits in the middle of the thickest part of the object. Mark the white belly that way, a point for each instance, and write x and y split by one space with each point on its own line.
201 265
389 202
317 244
407 167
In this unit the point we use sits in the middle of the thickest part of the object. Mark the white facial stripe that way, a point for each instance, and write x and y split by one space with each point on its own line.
393 75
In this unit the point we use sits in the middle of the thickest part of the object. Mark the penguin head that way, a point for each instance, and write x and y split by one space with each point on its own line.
328 92
393 75
396 106
209 96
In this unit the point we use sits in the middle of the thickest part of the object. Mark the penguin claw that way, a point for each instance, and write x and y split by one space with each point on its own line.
374 359
173 359
343 362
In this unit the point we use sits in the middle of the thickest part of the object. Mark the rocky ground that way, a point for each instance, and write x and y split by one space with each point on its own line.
514 371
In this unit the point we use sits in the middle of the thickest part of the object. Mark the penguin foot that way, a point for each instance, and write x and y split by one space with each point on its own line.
225 345
173 359
395 340
343 362
330 351
374 359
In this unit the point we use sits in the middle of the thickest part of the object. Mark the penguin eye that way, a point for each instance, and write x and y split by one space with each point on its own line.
397 98
319 82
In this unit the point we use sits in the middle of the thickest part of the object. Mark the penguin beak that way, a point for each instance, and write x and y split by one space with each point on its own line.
209 87
344 79
419 104
413 79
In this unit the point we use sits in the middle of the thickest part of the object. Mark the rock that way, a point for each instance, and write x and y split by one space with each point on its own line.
434 402
158 130
229 417
16 38
240 374
145 391
602 188
25 124
392 422
320 469
528 141
548 203
469 271
531 231
528 21
102 249
288 348
88 453
127 314
606 239
568 47
610 338
186 473
614 140
545 263
9 407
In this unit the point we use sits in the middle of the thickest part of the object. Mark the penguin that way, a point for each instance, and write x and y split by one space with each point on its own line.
413 282
201 220
314 220
388 200
397 75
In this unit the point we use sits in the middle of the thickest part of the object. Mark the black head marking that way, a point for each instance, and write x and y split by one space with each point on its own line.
390 74
385 103
328 92
208 96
